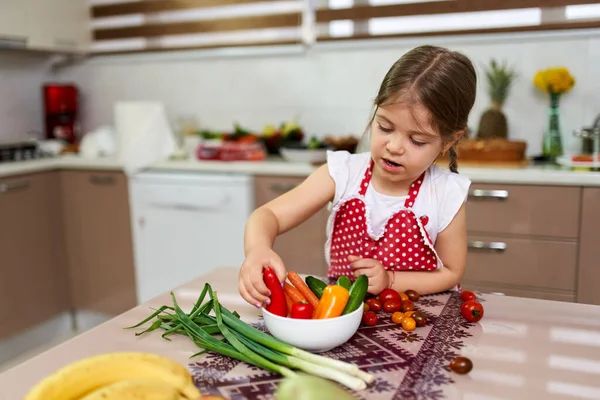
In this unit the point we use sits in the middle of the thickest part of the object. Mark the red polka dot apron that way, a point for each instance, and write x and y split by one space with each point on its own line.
404 244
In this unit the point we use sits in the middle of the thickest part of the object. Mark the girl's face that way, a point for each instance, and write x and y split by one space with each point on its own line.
403 142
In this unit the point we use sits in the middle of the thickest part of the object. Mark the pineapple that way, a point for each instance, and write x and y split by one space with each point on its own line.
493 123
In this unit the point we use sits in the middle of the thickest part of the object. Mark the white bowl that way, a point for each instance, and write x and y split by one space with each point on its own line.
304 155
315 335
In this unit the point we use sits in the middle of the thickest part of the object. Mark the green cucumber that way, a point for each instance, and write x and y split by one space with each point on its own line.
315 285
358 291
344 282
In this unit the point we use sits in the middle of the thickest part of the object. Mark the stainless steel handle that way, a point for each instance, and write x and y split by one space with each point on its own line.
489 194
493 246
103 180
280 187
7 187
12 42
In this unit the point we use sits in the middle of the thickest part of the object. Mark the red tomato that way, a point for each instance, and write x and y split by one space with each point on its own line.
302 310
392 306
389 294
369 318
472 310
374 304
407 305
467 296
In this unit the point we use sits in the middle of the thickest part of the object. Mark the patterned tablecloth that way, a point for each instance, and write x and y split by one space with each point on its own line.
407 365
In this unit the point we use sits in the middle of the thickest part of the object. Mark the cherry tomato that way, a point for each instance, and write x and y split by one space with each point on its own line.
408 324
374 304
472 310
369 318
461 365
407 305
397 317
392 306
409 313
365 307
412 295
389 294
419 318
403 296
467 296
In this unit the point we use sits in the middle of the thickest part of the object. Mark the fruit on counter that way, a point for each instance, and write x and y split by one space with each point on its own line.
136 389
420 319
408 324
472 310
403 296
247 343
347 143
315 285
407 305
277 305
389 294
344 282
392 306
302 310
374 304
413 295
467 295
299 284
358 291
308 387
369 318
332 303
397 317
461 365
81 378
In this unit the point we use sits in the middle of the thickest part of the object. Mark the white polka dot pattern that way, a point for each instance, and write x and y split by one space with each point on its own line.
350 237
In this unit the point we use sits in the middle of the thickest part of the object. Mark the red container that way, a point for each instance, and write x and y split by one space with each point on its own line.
61 112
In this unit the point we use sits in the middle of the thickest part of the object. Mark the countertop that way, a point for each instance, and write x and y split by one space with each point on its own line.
530 175
521 349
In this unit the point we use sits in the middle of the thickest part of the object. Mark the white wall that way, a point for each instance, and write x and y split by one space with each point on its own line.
330 88
21 79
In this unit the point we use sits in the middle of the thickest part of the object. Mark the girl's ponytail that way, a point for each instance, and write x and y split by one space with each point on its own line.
453 164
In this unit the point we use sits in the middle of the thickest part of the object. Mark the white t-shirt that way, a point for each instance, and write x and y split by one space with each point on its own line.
440 197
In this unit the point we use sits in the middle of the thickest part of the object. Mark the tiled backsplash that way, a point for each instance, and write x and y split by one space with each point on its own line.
329 89
21 78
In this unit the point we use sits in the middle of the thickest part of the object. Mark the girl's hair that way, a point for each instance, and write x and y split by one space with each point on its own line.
442 81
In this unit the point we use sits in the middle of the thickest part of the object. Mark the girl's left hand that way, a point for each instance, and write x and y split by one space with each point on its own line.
374 270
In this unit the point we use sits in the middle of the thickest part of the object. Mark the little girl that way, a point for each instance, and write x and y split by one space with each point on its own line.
396 217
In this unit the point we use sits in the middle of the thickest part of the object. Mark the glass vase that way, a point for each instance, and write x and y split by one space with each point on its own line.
552 144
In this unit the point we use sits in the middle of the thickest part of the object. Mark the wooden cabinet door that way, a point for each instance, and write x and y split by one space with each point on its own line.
301 248
588 279
33 287
98 241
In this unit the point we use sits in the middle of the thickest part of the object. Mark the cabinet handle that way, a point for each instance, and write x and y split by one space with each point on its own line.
280 187
103 180
493 246
12 42
489 194
7 187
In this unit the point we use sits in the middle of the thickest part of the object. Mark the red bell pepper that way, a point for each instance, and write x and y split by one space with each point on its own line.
302 310
278 305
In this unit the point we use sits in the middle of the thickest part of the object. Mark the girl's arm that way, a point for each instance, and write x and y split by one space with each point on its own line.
289 210
451 246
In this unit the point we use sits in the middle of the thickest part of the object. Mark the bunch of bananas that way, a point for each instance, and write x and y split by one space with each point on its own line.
121 375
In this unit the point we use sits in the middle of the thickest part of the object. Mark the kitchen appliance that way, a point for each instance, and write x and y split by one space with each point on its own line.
61 112
19 150
185 224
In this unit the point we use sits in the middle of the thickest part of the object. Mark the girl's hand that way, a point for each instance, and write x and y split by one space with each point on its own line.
374 270
250 282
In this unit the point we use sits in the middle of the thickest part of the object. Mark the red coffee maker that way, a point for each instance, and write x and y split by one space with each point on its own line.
60 112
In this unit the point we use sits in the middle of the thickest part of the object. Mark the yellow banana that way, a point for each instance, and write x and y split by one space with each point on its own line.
137 389
84 376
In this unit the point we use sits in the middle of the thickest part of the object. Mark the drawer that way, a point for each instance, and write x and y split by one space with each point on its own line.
525 210
519 292
544 264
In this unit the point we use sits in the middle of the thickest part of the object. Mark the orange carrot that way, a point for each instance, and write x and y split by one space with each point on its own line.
293 293
302 288
289 303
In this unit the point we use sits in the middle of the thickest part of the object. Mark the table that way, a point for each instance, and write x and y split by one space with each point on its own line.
521 349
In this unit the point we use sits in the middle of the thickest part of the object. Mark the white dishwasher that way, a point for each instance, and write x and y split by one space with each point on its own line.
186 224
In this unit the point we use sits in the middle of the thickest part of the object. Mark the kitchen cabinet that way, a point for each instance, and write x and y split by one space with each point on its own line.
98 241
588 281
518 244
48 25
34 286
302 248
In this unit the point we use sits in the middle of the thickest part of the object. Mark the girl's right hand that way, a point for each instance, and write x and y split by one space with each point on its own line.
250 283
